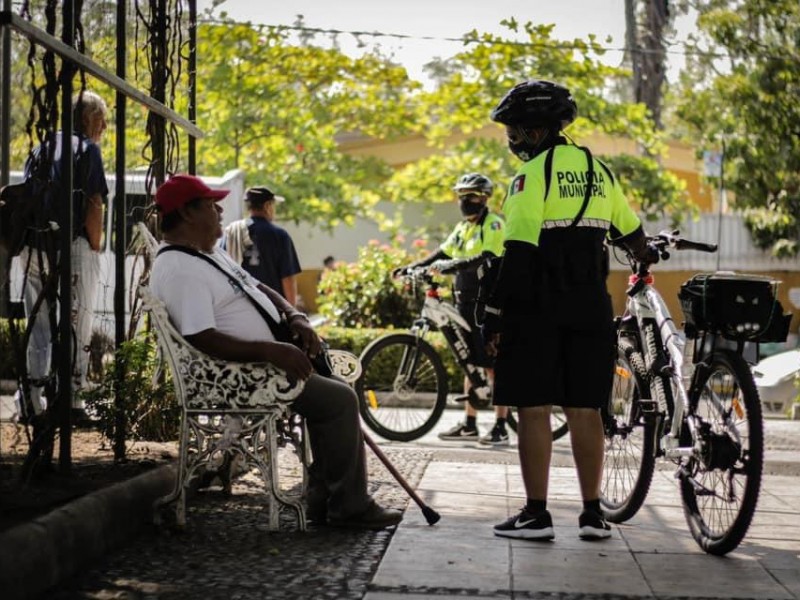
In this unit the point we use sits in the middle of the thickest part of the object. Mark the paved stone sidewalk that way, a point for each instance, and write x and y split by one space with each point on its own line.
652 556
226 553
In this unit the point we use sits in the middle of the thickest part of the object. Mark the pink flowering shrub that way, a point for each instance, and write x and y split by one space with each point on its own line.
363 293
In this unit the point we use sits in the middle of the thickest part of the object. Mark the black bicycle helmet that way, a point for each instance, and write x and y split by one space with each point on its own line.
474 181
536 103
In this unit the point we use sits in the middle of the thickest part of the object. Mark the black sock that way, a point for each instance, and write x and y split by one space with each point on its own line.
534 507
500 424
593 505
472 423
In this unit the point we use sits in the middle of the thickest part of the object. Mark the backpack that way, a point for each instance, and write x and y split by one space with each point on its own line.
25 212
29 210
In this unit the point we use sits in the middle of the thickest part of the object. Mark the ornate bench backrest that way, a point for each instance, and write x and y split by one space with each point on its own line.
202 382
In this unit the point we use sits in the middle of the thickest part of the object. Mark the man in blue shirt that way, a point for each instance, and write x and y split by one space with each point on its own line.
264 250
89 195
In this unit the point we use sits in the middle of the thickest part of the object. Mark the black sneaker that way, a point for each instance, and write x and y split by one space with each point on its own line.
496 437
458 433
592 526
527 526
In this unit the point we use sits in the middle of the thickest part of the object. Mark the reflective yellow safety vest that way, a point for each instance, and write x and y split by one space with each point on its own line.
548 191
471 239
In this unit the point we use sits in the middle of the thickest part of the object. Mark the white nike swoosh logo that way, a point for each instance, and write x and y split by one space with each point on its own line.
521 524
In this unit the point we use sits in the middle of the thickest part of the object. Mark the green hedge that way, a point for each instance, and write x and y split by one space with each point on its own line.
355 340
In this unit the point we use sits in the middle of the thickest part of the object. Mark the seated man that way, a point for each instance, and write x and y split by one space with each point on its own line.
218 308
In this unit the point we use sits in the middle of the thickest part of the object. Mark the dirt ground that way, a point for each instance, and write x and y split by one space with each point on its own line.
93 468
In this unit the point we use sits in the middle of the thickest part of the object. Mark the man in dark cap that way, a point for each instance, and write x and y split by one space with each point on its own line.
262 248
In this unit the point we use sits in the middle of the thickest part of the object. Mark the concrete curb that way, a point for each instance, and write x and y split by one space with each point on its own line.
38 555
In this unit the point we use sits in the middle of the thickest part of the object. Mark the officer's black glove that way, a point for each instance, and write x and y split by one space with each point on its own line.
480 312
492 323
648 254
399 272
445 267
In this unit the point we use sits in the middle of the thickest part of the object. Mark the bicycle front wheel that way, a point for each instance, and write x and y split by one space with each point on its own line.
629 459
402 390
721 482
558 421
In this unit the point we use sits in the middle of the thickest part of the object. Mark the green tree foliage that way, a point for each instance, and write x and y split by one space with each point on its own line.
743 93
647 185
275 109
470 85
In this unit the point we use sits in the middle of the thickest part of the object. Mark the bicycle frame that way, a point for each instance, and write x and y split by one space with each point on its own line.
439 314
658 332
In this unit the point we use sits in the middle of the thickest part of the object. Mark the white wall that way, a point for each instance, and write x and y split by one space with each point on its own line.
313 243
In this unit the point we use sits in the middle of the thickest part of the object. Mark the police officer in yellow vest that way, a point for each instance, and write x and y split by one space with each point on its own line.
478 235
549 317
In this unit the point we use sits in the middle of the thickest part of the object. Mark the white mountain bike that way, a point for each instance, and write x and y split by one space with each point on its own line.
404 385
690 400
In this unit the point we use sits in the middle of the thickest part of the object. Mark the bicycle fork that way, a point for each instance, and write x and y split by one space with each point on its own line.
407 373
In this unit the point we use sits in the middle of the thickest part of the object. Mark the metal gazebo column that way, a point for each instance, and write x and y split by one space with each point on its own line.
64 345
120 243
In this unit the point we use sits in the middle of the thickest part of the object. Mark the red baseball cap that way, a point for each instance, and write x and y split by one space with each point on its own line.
179 190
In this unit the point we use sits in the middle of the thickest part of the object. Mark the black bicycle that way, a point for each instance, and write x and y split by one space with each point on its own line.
403 387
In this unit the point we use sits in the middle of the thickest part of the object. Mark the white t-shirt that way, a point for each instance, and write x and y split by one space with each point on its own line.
199 297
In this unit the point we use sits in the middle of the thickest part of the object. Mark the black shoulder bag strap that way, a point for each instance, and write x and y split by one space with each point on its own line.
587 194
279 329
548 171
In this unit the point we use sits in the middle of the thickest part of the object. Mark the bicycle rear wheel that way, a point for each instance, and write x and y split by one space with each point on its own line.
720 484
629 459
558 421
402 390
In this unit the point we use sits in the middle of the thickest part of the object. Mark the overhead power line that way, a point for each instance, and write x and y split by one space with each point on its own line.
461 40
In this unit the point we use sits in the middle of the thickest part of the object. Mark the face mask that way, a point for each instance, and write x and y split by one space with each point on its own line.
468 208
522 146
522 150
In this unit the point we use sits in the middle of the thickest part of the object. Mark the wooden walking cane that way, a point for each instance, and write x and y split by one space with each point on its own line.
431 516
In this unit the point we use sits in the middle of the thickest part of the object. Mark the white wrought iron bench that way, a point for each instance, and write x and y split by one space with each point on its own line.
232 410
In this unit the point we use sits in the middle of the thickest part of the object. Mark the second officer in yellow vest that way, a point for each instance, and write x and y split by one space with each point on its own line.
549 316
477 236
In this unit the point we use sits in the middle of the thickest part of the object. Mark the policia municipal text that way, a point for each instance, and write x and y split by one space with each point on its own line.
549 317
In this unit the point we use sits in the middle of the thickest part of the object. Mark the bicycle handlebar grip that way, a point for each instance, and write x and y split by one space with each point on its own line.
690 245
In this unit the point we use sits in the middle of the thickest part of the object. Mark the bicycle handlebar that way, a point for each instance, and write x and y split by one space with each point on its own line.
418 274
671 239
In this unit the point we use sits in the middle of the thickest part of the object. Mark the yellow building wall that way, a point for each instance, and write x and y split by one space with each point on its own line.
679 157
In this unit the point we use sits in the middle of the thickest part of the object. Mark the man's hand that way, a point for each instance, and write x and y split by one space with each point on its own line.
309 340
290 358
